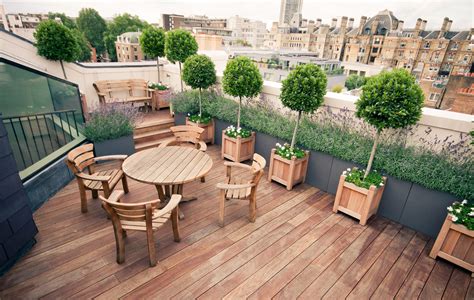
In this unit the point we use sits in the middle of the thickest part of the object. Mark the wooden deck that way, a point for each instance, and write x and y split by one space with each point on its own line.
296 248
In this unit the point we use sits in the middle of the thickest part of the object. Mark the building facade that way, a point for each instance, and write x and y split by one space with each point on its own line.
128 47
288 8
251 31
173 21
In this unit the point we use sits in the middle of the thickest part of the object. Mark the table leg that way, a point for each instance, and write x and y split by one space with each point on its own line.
165 192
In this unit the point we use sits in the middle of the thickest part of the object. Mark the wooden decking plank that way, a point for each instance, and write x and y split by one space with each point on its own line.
458 285
437 281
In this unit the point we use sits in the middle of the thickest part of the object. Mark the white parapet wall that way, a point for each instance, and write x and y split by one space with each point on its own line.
441 123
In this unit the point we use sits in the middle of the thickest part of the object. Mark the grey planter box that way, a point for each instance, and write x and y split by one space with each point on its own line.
394 198
122 145
338 166
264 144
425 209
180 119
319 170
220 125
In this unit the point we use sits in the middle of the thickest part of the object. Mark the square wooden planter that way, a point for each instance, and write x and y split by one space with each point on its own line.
161 99
357 202
455 243
288 171
208 135
237 149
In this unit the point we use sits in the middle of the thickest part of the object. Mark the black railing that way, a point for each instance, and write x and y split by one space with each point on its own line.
33 137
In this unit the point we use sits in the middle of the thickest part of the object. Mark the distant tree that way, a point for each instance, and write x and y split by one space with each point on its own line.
180 45
120 24
67 21
303 91
85 50
93 26
241 79
55 41
355 81
389 100
152 42
199 72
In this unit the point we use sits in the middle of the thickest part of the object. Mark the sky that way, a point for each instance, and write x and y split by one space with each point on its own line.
460 11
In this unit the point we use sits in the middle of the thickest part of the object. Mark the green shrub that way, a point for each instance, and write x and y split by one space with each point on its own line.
337 88
110 122
355 81
438 171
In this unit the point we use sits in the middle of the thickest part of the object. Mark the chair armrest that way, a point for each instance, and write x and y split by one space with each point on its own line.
202 146
174 201
93 177
114 197
110 157
225 186
101 94
167 143
237 165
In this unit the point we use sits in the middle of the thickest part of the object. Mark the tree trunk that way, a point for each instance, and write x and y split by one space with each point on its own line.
238 114
180 77
200 102
158 67
64 71
372 154
293 140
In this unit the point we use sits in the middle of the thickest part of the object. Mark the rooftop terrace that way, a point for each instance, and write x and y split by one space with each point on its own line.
296 247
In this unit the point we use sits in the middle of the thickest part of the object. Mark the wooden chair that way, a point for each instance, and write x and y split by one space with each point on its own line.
83 157
143 216
241 188
187 134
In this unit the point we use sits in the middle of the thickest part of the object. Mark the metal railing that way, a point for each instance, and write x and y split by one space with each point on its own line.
33 137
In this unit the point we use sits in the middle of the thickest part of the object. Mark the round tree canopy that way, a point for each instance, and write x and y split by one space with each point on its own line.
304 88
199 71
242 78
390 100
180 44
56 42
152 42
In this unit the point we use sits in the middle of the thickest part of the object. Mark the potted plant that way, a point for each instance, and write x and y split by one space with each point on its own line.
199 73
389 100
456 237
110 127
241 79
161 94
302 91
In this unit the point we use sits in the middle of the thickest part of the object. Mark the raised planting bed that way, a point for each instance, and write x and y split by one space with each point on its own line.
288 172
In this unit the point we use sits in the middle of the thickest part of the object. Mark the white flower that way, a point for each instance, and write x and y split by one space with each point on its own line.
189 114
458 210
239 129
344 173
464 202
450 208
381 184
278 145
348 169
454 218
471 214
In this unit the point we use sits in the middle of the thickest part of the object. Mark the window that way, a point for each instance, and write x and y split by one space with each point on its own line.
136 57
434 97
455 46
372 59
377 41
135 49
402 45
375 50
347 57
426 45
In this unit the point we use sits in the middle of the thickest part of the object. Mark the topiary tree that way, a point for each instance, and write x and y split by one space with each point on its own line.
241 79
179 45
55 41
152 42
389 100
303 91
199 72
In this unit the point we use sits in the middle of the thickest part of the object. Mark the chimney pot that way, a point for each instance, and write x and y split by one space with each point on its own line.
333 22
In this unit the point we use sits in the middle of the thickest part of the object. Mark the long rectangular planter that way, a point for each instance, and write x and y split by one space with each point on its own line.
208 135
237 149
122 145
288 171
455 243
357 202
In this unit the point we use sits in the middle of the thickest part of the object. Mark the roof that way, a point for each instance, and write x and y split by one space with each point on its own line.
386 22
131 36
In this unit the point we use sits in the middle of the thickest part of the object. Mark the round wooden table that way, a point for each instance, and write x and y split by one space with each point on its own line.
168 169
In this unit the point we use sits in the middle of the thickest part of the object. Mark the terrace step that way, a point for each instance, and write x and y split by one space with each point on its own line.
151 135
151 144
154 125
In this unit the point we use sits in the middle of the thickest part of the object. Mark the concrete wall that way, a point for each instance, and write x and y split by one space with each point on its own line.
440 123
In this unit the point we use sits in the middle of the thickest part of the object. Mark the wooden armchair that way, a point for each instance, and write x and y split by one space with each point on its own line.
143 216
83 157
237 187
186 134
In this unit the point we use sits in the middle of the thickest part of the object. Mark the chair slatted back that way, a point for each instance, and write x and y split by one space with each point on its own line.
187 133
132 211
258 165
80 158
129 85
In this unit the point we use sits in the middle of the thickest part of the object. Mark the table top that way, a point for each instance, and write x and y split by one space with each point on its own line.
168 165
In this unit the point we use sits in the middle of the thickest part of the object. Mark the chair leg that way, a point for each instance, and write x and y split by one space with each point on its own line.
125 184
151 246
203 179
82 192
174 223
253 209
222 208
95 194
120 246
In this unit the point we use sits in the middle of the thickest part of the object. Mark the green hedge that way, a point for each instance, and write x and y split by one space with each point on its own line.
419 165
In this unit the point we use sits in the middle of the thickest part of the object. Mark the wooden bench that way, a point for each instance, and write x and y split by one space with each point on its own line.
129 90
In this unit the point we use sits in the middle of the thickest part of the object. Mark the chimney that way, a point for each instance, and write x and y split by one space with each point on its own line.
445 24
419 21
344 22
423 25
363 20
318 22
373 28
400 26
333 22
351 23
448 28
471 34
